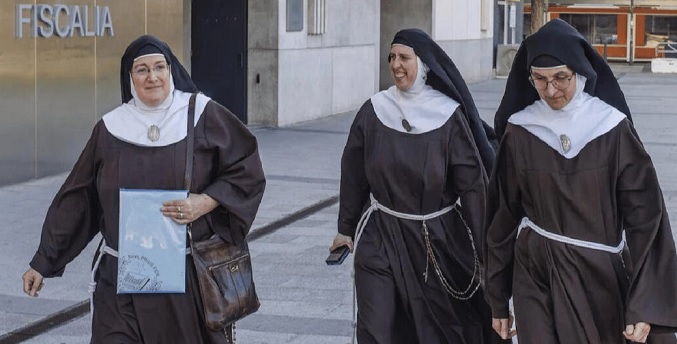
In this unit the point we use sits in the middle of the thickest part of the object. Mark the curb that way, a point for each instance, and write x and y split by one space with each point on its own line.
43 325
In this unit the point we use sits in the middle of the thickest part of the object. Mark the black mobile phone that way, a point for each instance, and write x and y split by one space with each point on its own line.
338 255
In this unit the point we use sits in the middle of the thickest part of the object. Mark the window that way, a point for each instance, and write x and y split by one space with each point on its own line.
317 19
294 15
526 23
661 28
596 28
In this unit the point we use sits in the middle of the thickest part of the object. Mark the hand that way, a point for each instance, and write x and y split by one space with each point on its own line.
342 240
503 327
187 210
33 282
637 332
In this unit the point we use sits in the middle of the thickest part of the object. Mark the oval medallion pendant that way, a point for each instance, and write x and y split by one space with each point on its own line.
406 125
154 133
566 143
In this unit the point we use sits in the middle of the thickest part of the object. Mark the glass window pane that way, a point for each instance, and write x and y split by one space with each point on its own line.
527 24
661 28
596 28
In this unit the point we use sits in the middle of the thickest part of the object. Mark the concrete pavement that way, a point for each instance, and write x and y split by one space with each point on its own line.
303 300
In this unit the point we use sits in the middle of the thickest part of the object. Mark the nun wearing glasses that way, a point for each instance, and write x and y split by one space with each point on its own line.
142 145
577 232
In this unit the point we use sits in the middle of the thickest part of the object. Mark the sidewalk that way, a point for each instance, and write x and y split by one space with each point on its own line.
303 301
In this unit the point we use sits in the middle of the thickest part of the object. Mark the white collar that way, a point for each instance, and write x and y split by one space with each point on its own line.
129 122
423 107
570 129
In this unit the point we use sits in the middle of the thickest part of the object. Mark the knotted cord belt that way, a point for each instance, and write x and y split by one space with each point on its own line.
570 241
430 255
103 249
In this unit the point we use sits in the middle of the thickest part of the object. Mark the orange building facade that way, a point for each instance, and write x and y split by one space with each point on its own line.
632 30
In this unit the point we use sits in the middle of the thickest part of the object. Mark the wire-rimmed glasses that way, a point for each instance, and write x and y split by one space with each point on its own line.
143 71
560 82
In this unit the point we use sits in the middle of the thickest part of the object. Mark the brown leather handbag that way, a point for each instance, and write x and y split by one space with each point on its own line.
224 270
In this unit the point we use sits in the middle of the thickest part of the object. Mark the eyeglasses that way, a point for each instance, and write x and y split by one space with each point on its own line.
143 71
560 82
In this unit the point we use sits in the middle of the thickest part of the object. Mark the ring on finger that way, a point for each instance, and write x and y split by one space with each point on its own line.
179 208
180 215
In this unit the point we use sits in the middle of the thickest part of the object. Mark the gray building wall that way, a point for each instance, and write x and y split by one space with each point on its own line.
304 76
262 61
395 16
473 57
454 24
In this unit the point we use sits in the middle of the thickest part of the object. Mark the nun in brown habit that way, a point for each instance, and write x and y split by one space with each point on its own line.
577 232
413 151
141 144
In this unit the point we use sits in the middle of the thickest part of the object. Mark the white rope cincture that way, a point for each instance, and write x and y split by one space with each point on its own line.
567 240
104 249
375 206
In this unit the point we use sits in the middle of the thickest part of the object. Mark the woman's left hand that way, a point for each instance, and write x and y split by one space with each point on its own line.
637 332
187 210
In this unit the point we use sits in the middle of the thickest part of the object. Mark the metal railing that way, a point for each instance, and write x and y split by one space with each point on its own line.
666 49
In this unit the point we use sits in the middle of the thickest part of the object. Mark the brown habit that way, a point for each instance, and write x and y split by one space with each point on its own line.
227 167
567 294
414 174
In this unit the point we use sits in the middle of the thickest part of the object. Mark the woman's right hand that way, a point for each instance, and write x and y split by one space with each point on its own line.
341 240
503 327
638 332
33 282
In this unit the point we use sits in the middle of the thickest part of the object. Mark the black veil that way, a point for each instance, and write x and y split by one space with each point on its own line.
558 39
445 77
182 80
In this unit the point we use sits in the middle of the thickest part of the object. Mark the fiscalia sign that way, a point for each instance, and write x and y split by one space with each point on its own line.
63 21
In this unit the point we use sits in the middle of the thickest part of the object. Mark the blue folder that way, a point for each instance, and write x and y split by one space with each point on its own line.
151 247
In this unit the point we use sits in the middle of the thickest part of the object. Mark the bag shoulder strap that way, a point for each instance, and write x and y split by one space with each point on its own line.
189 142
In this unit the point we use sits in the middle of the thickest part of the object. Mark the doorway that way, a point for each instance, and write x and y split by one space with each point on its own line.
219 52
